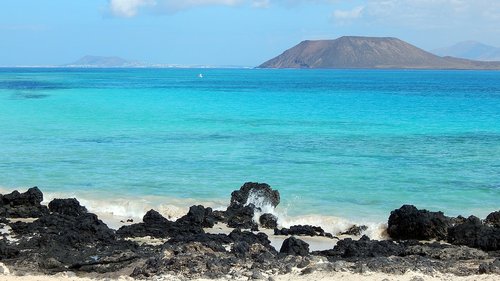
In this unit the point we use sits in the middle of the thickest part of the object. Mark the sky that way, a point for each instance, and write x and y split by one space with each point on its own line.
226 32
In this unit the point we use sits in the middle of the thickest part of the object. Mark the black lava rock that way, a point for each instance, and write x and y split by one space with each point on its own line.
23 205
199 215
490 268
294 246
307 230
493 219
364 248
408 222
6 251
240 217
268 221
475 234
155 225
263 190
355 230
69 207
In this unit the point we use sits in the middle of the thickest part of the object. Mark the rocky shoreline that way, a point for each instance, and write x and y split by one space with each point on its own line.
65 237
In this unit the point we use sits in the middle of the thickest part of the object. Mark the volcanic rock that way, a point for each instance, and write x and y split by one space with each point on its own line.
294 246
364 247
355 230
23 205
408 222
307 230
259 191
241 216
493 219
268 221
199 215
475 234
155 225
69 207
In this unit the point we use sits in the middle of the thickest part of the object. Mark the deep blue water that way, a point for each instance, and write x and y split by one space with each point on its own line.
348 143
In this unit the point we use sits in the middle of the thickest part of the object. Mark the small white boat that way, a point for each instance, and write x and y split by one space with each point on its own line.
200 75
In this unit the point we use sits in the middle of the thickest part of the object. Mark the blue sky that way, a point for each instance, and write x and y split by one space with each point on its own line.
226 32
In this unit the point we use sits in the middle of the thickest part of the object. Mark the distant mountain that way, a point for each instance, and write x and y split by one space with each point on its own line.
98 61
367 52
470 50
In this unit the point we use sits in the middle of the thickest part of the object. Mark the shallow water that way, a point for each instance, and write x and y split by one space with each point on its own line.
354 144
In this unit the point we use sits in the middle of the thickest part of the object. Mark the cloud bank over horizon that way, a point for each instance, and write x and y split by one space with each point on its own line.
427 13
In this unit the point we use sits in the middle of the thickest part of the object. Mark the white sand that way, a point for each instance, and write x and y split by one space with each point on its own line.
326 276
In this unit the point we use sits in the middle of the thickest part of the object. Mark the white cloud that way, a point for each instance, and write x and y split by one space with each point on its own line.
128 8
426 13
346 15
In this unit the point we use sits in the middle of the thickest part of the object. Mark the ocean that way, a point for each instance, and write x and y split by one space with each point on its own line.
346 144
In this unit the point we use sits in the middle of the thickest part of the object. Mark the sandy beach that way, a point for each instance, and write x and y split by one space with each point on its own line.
325 276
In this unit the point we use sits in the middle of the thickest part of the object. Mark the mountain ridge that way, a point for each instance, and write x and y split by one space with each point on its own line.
472 50
367 52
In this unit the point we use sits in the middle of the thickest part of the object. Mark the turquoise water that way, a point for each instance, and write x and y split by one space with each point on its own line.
347 143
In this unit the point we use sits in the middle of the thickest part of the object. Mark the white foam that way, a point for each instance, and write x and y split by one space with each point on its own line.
331 224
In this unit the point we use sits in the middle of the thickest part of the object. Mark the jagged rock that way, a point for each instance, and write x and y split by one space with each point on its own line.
199 215
493 219
23 205
490 268
250 238
191 259
6 251
355 230
69 207
68 230
240 217
268 221
364 248
294 246
474 234
444 252
240 212
408 222
260 190
155 225
307 230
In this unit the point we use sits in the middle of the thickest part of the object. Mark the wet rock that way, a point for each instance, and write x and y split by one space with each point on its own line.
268 221
355 230
240 212
474 233
493 219
69 207
294 246
307 230
23 205
490 268
240 217
261 190
408 222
